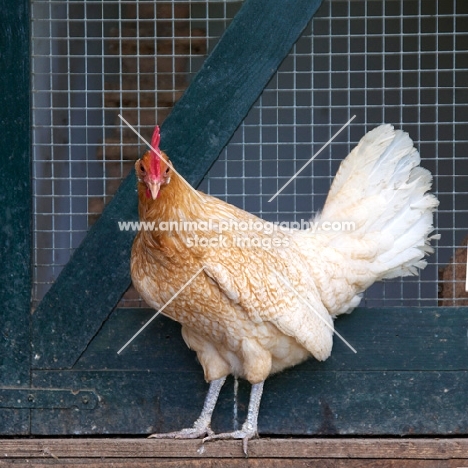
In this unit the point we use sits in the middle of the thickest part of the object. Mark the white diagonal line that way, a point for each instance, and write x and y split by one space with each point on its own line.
157 152
160 310
312 158
308 304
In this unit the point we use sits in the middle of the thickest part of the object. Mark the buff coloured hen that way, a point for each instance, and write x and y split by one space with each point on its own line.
256 301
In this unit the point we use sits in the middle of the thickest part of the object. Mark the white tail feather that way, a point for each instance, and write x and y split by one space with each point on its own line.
383 190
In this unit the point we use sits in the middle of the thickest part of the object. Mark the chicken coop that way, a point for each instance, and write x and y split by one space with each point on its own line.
245 92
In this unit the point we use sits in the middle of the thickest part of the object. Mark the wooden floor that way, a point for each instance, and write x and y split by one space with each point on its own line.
265 453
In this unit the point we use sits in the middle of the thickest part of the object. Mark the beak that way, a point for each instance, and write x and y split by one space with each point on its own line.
154 189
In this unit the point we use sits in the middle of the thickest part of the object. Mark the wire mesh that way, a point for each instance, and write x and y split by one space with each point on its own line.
90 61
403 62
400 62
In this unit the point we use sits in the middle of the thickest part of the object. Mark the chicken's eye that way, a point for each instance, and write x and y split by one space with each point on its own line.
167 170
142 168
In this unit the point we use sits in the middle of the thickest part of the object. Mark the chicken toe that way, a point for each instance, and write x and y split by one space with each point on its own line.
194 432
246 433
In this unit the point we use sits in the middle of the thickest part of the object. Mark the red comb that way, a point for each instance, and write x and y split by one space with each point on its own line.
156 138
155 161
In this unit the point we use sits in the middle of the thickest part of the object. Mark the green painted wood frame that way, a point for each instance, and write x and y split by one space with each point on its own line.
15 214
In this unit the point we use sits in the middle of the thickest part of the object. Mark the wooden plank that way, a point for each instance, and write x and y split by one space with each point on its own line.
386 339
264 448
364 403
199 127
237 463
15 199
241 463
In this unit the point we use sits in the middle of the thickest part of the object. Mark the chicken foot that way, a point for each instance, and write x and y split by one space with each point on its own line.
201 426
249 428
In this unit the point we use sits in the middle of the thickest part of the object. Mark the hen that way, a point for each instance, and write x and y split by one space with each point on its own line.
264 299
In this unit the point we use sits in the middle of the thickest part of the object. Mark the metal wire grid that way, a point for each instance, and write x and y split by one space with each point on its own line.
91 60
402 62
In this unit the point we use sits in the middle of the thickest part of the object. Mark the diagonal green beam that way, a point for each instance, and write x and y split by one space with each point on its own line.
194 134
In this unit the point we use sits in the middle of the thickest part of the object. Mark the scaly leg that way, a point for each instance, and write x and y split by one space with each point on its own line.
249 428
201 427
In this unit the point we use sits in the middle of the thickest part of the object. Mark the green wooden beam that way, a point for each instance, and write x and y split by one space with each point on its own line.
393 338
295 402
15 201
15 194
409 376
199 127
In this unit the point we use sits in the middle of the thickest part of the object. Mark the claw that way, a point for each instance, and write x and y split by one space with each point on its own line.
245 434
187 433
201 428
